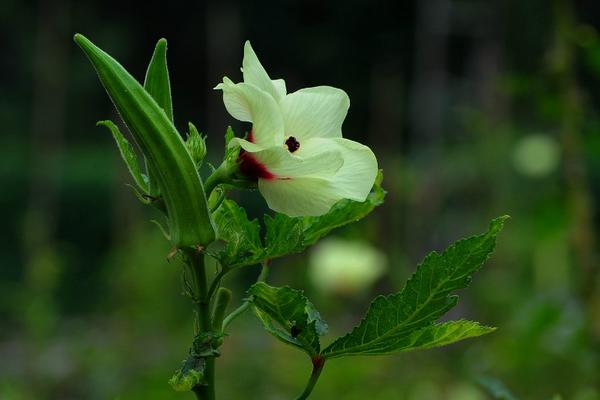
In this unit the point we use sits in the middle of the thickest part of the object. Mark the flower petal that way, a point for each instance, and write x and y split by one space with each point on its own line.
255 73
246 145
355 178
235 101
315 112
298 197
287 166
280 88
246 102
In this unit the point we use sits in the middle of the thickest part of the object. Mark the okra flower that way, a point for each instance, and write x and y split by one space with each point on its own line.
295 148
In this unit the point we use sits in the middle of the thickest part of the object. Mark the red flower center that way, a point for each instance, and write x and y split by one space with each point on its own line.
253 168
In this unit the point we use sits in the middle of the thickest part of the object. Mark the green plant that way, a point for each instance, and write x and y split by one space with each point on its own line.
316 181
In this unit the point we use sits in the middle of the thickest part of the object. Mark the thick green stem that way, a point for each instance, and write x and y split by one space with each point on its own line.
195 262
318 364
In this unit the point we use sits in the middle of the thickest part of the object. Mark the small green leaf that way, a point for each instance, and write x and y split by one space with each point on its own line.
242 236
289 316
157 82
391 321
127 154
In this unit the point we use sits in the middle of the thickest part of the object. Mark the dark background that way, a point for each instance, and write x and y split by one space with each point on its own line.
474 108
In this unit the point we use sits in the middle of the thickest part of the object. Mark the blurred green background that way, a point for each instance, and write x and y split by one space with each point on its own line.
474 108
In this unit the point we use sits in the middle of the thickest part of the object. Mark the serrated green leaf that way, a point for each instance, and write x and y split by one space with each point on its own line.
289 316
284 235
157 82
242 236
391 320
127 154
435 335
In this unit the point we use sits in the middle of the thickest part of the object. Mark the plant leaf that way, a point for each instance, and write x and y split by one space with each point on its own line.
289 316
435 335
127 154
284 236
242 236
391 320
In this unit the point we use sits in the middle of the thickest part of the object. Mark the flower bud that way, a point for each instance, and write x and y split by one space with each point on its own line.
196 145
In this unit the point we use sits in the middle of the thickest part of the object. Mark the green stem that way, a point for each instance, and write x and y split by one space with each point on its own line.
318 364
222 174
216 282
264 273
195 262
222 299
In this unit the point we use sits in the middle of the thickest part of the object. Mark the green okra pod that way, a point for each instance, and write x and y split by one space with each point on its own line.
153 130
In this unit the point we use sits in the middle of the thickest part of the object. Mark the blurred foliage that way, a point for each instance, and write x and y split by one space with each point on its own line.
475 109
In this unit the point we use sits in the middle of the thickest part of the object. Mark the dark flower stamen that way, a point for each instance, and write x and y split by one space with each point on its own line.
292 144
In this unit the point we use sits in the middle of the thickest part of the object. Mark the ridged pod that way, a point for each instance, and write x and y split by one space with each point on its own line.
161 144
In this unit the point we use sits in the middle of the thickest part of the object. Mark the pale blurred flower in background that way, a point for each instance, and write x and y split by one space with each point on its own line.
345 266
536 155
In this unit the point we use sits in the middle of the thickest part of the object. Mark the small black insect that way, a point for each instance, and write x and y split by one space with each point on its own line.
295 331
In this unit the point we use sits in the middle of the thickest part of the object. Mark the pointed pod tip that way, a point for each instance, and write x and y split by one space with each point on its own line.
161 45
80 39
86 44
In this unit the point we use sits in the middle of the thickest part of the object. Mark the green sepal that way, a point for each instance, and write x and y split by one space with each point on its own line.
161 144
405 320
127 154
289 316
